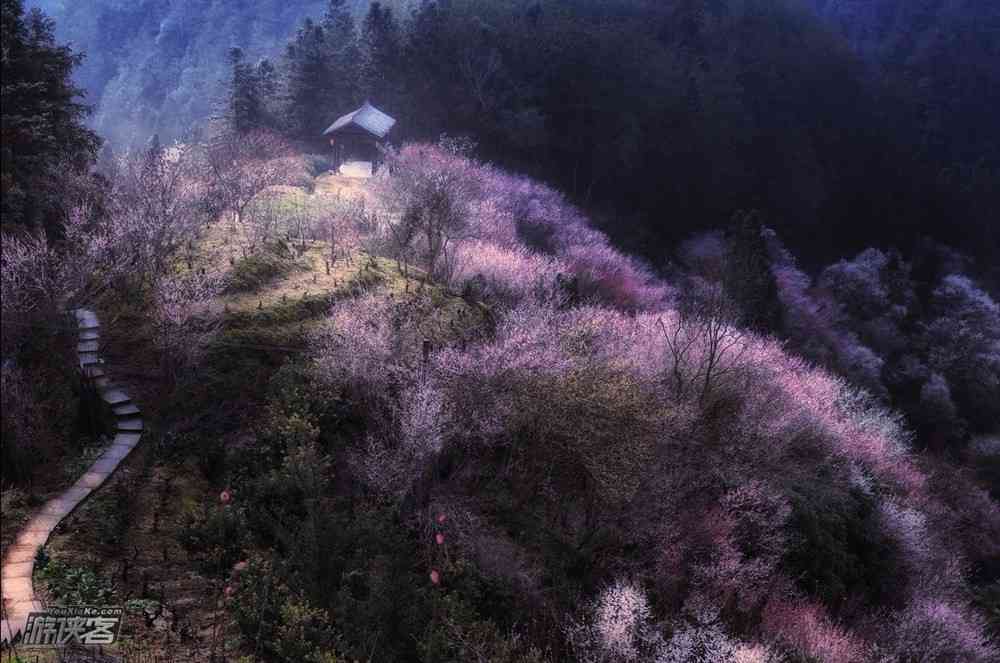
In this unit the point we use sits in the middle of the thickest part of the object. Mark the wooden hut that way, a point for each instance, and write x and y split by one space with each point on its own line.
355 137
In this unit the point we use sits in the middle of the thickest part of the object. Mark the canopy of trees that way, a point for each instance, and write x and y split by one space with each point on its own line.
845 123
43 137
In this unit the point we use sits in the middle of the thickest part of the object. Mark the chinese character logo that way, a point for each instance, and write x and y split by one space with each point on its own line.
79 625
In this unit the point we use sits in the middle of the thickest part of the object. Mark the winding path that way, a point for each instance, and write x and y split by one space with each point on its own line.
18 594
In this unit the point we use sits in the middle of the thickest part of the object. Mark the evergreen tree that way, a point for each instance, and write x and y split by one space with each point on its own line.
245 111
382 49
747 275
344 54
154 150
309 73
267 78
41 118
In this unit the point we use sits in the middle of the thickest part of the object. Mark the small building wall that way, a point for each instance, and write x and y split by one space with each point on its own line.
354 146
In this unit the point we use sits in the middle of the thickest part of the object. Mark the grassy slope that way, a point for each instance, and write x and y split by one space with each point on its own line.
128 534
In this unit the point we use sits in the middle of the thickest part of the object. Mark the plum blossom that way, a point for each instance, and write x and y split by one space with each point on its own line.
806 628
616 626
932 629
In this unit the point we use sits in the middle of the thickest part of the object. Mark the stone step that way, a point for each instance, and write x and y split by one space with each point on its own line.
112 458
43 522
86 318
31 538
74 495
133 424
18 594
127 439
17 554
58 506
125 410
108 461
115 397
91 480
89 359
17 570
18 589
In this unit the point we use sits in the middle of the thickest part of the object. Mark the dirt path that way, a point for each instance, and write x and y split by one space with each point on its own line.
19 597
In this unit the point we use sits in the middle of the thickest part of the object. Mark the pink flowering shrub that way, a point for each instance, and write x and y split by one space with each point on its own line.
606 276
521 233
588 428
701 636
358 348
806 628
507 276
616 626
931 629
748 540
29 288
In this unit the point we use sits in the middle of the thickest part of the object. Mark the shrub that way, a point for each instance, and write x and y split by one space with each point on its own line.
838 549
214 536
616 626
459 634
74 585
505 276
317 164
931 629
252 272
808 631
700 636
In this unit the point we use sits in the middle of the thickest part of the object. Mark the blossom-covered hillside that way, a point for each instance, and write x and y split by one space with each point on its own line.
714 377
598 472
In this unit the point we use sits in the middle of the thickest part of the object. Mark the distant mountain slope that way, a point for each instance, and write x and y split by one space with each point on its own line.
154 66
941 56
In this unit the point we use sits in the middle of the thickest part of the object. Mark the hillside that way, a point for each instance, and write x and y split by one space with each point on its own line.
448 421
692 109
655 332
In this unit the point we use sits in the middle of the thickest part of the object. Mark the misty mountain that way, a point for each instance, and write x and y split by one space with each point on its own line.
156 67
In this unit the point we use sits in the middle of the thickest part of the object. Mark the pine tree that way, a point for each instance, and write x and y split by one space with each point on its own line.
245 112
309 73
41 118
747 278
381 43
154 150
344 54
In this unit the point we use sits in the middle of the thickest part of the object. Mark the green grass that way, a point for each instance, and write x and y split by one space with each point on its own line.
253 272
289 202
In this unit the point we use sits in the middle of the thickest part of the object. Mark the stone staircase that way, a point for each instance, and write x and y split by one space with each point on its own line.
19 561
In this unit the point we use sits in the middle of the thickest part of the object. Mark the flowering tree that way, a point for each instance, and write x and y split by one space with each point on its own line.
675 446
616 626
964 342
155 207
242 166
806 628
183 320
931 629
30 283
429 196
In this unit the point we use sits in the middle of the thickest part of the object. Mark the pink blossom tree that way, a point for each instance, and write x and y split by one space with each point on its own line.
242 166
183 319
